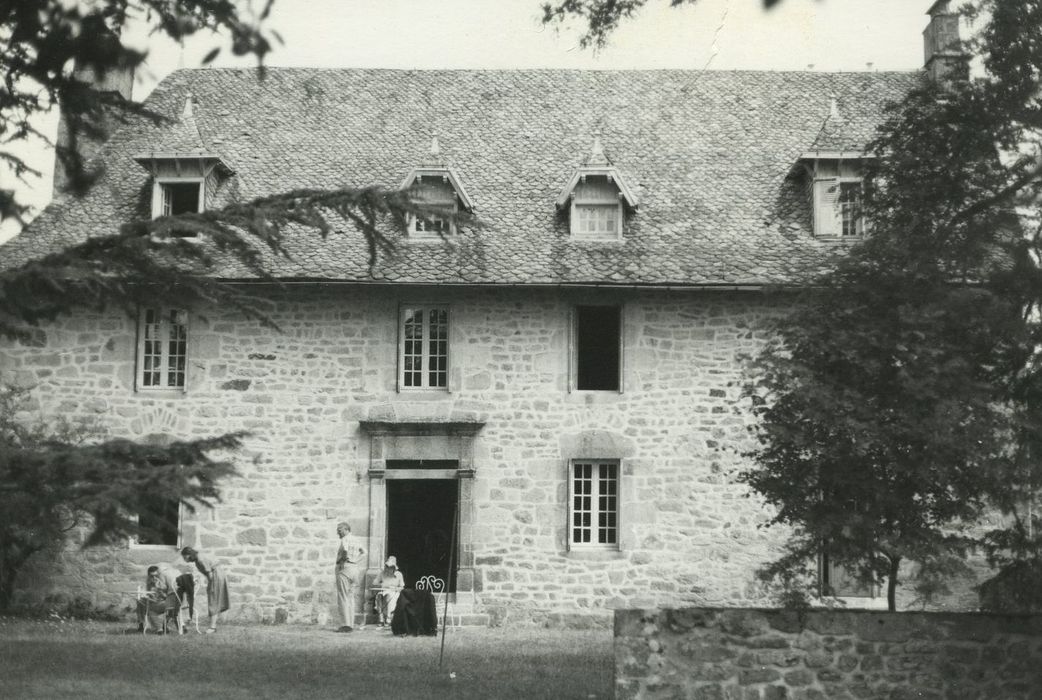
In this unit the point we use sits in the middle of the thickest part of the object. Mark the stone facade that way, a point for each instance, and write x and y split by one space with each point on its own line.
305 392
825 655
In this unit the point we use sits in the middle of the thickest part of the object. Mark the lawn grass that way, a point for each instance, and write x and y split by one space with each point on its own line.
51 659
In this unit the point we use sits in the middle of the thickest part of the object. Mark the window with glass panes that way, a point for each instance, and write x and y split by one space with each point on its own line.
595 503
851 221
596 210
162 348
431 224
424 348
597 219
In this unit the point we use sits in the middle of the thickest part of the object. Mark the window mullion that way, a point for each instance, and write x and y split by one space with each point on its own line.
425 352
163 328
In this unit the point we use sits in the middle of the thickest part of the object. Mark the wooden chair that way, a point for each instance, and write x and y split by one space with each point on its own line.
185 594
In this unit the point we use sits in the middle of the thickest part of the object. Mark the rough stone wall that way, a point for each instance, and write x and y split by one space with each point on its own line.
825 655
688 532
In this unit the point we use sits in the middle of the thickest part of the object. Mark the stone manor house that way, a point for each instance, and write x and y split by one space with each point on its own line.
559 382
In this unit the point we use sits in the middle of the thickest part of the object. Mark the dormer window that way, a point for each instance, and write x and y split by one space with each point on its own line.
837 195
434 191
174 196
182 169
597 197
438 188
180 184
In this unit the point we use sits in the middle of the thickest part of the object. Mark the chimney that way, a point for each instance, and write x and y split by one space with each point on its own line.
117 79
946 59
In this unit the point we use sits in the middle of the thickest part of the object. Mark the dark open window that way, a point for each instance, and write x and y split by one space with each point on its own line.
597 347
180 198
159 521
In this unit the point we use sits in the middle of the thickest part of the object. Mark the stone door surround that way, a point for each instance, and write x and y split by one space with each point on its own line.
421 440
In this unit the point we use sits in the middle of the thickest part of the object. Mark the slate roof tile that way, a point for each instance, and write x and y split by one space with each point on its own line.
708 153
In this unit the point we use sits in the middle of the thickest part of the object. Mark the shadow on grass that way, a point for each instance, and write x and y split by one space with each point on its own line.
92 660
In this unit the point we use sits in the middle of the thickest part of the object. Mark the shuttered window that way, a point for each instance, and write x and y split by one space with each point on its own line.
837 208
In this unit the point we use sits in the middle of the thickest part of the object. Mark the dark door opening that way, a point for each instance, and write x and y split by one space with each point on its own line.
420 515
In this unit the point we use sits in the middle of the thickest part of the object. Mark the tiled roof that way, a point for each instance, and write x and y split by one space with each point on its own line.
709 155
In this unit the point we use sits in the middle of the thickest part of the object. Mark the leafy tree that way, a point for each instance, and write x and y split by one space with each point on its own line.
48 480
602 17
901 398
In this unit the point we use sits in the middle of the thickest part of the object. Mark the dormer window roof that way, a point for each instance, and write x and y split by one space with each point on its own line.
438 185
597 165
180 150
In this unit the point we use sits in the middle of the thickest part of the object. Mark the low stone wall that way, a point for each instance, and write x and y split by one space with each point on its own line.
743 654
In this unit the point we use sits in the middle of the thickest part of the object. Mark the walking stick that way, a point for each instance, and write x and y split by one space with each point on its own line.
448 574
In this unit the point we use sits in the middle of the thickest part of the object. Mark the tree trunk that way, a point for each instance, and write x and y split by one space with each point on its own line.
7 577
10 565
891 584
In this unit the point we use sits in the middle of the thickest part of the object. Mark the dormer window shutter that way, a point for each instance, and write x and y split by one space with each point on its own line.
826 209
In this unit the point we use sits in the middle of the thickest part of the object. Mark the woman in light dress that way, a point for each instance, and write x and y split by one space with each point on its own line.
390 584
216 585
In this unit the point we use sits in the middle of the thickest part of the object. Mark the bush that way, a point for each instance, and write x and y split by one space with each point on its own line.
61 607
1016 588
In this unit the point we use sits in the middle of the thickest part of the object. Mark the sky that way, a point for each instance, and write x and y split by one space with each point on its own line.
825 35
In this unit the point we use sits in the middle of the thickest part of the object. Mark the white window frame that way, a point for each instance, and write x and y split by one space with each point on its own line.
573 379
163 338
134 544
159 200
425 347
579 202
419 230
595 505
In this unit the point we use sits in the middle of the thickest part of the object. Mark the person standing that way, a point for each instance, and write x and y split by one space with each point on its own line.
348 559
216 585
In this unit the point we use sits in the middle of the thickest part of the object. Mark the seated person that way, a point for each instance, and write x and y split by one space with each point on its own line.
388 585
160 596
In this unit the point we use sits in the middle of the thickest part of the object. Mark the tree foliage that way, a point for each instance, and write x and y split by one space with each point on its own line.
900 399
59 477
44 40
600 18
